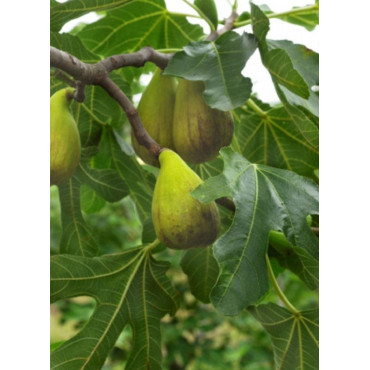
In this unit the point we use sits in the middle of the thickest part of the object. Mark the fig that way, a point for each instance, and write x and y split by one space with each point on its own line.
65 145
156 112
199 131
181 221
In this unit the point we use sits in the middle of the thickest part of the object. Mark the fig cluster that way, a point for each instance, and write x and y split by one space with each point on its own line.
177 117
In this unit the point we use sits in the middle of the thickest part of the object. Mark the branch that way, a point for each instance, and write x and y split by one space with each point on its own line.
138 59
229 25
98 74
141 134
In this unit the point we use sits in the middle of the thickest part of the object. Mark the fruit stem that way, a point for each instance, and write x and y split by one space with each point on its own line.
210 24
251 104
294 11
279 292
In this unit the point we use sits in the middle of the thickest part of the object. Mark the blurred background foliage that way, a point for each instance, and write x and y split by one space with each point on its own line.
197 337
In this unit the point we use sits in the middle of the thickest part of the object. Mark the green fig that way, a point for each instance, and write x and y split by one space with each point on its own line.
156 112
181 221
199 131
65 146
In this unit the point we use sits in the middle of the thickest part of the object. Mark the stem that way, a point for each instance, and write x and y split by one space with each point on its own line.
186 15
210 24
251 104
279 292
141 134
152 245
164 51
235 6
282 14
235 144
294 11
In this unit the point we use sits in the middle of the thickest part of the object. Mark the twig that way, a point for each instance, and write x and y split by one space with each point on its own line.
138 59
98 74
142 136
229 25
79 94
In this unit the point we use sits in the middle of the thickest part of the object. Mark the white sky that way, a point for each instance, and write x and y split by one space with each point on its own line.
262 84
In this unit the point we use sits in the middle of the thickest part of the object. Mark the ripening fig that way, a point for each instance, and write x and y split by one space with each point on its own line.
181 221
65 146
199 131
156 112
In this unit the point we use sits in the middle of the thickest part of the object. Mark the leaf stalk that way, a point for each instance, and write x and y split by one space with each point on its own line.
294 11
279 292
202 15
251 104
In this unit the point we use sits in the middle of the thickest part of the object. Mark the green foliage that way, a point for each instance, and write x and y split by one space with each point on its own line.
218 64
273 138
117 306
137 24
265 199
125 300
209 9
295 338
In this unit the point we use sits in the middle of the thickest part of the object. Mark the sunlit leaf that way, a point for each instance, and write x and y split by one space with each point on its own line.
72 45
293 68
307 17
135 25
209 9
62 13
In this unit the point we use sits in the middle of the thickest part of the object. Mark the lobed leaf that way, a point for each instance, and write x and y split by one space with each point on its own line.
307 18
299 261
209 9
137 24
62 13
202 270
77 237
293 68
219 65
72 45
106 182
276 139
295 338
266 199
130 288
139 182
